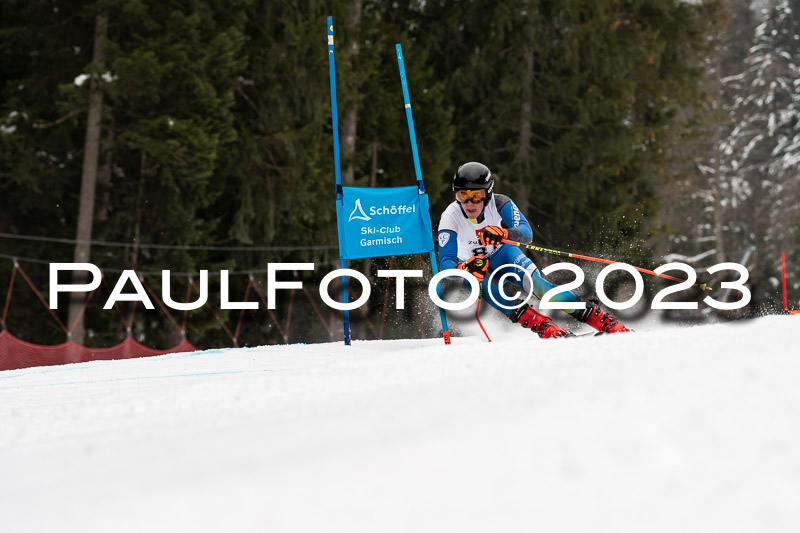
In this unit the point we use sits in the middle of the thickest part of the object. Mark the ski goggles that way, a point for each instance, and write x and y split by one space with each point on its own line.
476 197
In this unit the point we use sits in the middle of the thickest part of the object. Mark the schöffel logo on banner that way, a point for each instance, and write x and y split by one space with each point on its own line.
359 214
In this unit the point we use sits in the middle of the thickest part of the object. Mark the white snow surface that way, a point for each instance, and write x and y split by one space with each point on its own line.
668 429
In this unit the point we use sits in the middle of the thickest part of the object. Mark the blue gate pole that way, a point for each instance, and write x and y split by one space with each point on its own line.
337 171
418 172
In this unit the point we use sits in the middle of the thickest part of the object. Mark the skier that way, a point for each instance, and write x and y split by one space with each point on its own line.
470 238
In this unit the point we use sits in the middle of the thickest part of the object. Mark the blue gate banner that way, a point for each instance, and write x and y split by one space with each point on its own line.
379 222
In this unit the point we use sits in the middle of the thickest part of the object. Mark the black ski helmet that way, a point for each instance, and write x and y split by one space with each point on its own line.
472 176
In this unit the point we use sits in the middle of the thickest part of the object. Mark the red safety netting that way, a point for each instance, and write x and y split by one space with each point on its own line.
16 353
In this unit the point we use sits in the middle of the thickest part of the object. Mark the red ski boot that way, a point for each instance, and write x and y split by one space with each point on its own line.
600 320
528 317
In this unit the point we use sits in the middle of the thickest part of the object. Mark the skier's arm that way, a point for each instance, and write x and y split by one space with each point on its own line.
519 229
448 252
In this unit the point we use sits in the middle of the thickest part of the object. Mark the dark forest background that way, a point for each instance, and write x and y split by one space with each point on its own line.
196 134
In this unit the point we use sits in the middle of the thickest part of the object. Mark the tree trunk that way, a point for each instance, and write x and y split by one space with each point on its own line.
526 112
137 225
350 120
104 174
373 175
89 178
716 180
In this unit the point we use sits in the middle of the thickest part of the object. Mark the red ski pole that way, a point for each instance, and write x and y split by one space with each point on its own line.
477 307
701 286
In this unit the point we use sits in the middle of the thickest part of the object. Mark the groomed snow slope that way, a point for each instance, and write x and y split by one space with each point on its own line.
683 429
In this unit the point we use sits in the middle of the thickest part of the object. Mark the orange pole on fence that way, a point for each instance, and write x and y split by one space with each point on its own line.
786 310
783 275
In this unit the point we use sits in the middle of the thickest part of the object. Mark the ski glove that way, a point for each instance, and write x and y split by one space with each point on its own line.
492 235
476 265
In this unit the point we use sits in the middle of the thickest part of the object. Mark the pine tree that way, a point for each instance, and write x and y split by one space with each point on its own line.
762 145
284 164
277 175
700 197
168 88
43 45
175 66
600 83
